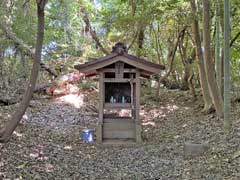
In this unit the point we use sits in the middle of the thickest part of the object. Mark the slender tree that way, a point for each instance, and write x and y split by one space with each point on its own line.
208 62
202 73
227 120
140 40
7 131
1 67
217 50
172 54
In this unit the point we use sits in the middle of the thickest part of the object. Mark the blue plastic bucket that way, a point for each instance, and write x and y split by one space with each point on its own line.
87 135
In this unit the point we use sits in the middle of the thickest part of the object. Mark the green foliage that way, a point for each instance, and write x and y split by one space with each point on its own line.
235 66
113 20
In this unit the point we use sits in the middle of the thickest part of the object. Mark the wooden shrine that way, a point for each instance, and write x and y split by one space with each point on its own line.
119 89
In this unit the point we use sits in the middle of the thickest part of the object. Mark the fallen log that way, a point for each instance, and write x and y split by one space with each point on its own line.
69 78
60 84
41 87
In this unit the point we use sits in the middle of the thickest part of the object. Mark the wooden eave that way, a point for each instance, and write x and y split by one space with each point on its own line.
147 68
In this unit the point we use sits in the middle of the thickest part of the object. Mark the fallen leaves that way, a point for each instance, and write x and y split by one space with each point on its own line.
47 145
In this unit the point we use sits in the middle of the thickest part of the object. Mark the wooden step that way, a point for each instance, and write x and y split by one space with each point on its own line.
118 119
119 141
118 128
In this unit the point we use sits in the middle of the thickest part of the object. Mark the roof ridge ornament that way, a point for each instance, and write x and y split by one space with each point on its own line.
119 48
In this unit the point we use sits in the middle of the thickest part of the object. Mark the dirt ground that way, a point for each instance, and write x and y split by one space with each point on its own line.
47 144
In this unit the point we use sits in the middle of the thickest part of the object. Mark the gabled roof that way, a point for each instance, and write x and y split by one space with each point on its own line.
119 53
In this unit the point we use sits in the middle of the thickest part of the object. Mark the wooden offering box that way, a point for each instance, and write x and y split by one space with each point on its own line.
119 89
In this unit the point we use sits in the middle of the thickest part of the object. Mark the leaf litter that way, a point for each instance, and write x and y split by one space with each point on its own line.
47 144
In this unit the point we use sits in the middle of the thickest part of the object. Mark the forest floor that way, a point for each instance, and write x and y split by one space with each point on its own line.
47 145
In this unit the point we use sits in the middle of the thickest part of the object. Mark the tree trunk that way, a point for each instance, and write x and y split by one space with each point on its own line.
133 41
159 55
202 74
3 71
209 66
158 46
183 55
24 65
227 98
217 51
221 14
191 86
140 40
89 27
1 67
187 74
6 132
172 54
133 4
189 71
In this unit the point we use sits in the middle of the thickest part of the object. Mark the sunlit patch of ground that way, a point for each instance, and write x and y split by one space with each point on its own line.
77 100
65 114
148 115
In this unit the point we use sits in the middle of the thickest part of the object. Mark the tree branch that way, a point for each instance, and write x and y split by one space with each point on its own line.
234 39
172 56
89 27
24 47
133 41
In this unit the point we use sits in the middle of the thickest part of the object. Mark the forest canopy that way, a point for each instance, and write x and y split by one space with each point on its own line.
149 28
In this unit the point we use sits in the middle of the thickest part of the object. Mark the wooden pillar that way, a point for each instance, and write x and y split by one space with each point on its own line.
133 102
137 108
101 109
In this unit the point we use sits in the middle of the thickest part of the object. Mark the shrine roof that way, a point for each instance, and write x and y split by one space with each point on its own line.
119 53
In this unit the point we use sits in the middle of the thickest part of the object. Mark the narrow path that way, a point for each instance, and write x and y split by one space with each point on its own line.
64 114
